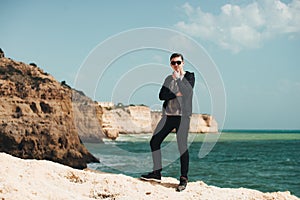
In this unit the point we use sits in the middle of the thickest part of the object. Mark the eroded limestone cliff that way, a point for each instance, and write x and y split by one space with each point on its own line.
125 120
37 116
140 119
200 123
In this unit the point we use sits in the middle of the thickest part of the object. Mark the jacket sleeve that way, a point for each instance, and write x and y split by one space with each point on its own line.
165 93
186 85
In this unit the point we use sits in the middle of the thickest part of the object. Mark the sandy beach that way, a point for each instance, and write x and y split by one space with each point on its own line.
41 179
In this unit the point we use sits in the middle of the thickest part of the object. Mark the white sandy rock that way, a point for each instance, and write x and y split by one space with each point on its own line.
33 179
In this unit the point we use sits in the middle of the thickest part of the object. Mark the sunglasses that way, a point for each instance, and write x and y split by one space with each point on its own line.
176 62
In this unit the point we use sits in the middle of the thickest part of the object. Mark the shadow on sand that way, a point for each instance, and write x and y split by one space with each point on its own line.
164 184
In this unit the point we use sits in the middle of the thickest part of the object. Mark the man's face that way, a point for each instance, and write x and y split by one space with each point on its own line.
177 64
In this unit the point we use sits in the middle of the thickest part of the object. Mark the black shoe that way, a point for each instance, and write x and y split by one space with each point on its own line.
182 185
152 176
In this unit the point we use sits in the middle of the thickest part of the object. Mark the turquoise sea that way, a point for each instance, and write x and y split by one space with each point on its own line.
264 160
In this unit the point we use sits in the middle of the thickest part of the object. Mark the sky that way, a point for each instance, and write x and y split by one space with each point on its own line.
250 78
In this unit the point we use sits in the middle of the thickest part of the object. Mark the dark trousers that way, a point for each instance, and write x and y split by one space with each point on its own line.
164 127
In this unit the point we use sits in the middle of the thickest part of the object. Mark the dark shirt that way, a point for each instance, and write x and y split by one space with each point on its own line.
185 86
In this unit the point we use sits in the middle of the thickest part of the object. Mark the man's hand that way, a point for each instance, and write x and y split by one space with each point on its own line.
178 94
176 75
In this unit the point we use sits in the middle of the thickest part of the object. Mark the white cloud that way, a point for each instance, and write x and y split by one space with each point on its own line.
241 27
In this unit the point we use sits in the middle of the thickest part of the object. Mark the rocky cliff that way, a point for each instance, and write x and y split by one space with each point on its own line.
203 123
140 119
88 118
126 119
200 123
40 117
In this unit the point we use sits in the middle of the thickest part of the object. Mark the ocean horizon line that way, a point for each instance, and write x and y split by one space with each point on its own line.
260 130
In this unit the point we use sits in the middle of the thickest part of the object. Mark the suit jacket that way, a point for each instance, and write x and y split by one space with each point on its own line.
186 86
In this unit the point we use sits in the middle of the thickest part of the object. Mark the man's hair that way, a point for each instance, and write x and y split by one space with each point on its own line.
174 55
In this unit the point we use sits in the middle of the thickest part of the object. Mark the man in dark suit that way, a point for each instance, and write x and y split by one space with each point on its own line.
177 94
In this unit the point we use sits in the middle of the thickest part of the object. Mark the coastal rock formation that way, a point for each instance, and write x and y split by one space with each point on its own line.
126 119
87 116
137 119
203 123
32 179
200 123
37 116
